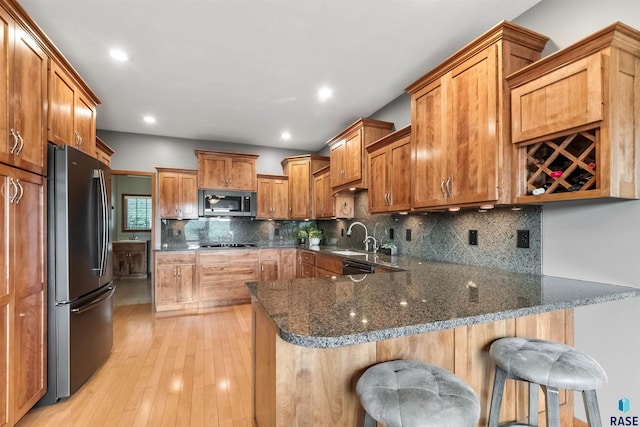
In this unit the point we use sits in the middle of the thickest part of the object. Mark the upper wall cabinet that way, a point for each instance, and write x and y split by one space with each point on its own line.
103 152
72 113
273 197
23 97
226 171
575 118
461 132
329 205
389 172
178 193
300 171
348 155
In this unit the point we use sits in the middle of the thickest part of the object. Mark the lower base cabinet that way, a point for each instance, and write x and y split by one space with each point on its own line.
294 384
175 280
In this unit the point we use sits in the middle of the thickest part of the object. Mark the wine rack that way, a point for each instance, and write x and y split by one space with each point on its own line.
563 164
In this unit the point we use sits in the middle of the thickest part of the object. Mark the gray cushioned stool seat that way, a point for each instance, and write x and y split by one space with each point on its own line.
551 365
408 393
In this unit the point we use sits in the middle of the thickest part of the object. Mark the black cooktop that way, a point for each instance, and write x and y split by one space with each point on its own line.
227 245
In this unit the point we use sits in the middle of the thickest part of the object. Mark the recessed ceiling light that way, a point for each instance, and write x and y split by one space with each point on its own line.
119 55
285 135
324 93
149 119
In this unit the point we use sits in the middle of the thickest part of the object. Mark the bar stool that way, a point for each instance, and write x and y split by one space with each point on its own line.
409 393
551 366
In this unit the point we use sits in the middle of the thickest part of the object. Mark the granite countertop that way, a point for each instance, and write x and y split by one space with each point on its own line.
429 296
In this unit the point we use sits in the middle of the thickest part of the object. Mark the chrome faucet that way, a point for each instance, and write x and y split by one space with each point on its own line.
367 237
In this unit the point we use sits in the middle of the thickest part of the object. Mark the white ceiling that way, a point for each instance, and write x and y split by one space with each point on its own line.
245 70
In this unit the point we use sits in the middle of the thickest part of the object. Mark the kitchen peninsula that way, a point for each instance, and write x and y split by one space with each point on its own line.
313 338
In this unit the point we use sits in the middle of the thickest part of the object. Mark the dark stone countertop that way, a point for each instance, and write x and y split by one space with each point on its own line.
429 296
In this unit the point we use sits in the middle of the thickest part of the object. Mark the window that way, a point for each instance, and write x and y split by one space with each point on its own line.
136 212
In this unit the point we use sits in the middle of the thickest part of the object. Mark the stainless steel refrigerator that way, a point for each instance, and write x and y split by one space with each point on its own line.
80 287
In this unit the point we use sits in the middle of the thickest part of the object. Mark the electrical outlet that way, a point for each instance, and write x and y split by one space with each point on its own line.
276 232
391 234
523 239
408 235
342 232
473 237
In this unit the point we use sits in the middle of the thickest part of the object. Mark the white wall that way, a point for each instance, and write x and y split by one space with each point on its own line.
595 240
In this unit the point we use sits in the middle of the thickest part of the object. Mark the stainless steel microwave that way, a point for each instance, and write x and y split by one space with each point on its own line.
226 203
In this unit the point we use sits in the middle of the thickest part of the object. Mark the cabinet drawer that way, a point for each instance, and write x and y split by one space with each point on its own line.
308 257
308 270
565 98
225 292
176 257
227 256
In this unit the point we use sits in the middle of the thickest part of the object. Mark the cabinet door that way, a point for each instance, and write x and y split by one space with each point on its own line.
399 175
188 196
120 263
472 153
61 106
378 181
169 186
137 262
566 98
318 197
27 271
429 145
299 190
280 198
6 36
242 174
337 155
212 172
269 270
85 123
6 294
353 157
165 283
265 197
185 290
287 264
28 81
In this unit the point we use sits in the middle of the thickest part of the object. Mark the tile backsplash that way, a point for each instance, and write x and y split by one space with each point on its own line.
434 236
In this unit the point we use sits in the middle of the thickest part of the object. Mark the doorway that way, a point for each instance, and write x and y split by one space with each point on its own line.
133 204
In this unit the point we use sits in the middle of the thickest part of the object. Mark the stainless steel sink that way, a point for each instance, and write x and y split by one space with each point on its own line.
347 252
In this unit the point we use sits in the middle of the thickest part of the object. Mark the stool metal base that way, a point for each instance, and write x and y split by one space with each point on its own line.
552 403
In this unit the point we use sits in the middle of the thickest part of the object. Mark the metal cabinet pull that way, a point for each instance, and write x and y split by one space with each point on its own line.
21 143
442 188
15 141
18 197
449 186
13 192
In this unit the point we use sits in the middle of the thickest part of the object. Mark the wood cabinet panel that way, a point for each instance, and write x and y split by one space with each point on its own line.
566 98
329 265
103 152
222 275
300 171
576 116
226 171
462 153
273 197
390 172
175 280
178 193
129 259
349 165
23 99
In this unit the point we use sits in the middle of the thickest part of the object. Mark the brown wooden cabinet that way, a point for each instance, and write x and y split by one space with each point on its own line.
222 275
130 258
460 123
175 280
575 116
22 292
23 97
226 171
72 114
273 197
103 152
277 264
178 191
300 170
306 264
390 172
328 265
329 205
348 155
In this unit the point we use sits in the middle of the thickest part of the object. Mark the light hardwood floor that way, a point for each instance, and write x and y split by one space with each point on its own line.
181 370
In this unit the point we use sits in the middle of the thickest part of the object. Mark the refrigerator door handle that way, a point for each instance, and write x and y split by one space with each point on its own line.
94 302
103 238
